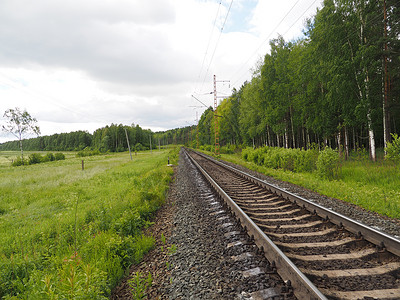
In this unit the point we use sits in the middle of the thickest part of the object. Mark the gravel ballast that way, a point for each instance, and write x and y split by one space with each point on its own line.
205 254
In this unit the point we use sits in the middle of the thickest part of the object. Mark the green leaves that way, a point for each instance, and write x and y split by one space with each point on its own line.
393 149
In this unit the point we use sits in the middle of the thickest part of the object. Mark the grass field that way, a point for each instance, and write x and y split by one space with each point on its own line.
70 234
373 186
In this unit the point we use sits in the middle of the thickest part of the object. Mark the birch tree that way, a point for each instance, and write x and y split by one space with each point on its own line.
20 124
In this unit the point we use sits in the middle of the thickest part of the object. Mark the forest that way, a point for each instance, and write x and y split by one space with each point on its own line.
109 138
338 86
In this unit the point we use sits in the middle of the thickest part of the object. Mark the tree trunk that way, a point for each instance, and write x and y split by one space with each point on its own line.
286 138
339 144
371 135
291 121
22 151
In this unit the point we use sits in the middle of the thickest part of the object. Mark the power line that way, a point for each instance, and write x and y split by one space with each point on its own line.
216 45
263 42
209 40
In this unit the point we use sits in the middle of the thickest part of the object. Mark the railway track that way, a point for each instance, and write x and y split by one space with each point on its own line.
325 255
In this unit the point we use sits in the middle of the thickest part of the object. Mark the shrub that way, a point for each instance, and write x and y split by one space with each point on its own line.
139 147
19 162
328 164
129 223
295 160
245 153
306 160
35 158
59 156
393 149
48 157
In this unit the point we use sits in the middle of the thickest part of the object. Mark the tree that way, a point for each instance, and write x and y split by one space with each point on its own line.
20 123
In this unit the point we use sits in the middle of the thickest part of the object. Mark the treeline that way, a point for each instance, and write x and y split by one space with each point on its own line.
109 138
338 86
178 136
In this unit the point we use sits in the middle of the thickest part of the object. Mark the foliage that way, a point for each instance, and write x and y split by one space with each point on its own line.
139 285
393 149
50 157
110 138
37 158
295 160
20 123
328 164
59 156
69 234
19 162
139 147
87 152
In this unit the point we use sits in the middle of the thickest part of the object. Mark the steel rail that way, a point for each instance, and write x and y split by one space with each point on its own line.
303 288
370 234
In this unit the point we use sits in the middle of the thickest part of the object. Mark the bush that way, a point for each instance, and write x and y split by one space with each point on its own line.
230 149
295 160
393 149
19 162
35 158
139 147
48 157
328 164
245 153
59 156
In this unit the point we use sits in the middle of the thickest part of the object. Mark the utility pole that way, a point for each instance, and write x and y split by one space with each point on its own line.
216 125
151 151
385 106
197 131
216 116
127 140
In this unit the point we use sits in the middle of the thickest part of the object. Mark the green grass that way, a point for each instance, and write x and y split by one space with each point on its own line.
373 186
69 233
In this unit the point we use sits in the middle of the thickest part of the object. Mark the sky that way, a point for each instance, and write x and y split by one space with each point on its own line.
84 64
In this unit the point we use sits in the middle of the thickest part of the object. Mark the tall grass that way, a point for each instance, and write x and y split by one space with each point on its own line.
71 234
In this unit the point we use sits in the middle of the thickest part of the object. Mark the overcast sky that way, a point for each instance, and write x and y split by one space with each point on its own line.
84 64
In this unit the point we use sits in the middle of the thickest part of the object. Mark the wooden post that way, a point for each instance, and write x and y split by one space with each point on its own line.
127 140
83 165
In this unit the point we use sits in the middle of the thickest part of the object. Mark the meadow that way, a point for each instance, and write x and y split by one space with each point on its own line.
68 233
374 186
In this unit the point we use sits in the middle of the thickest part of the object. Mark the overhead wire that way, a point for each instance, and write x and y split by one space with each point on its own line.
216 45
263 42
209 40
350 34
